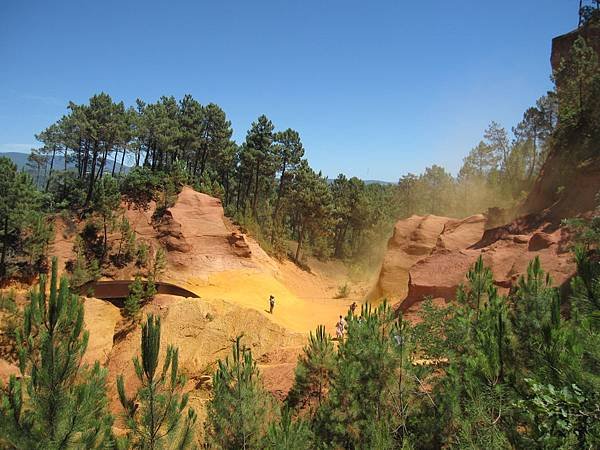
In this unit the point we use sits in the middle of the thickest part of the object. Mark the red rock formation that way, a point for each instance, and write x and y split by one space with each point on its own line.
198 238
417 238
414 268
508 256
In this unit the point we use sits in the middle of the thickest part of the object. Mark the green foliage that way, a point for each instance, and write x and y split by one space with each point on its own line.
141 255
480 287
562 418
57 402
314 370
106 202
10 322
156 415
159 264
312 203
91 241
238 412
139 188
358 412
137 293
547 347
85 268
343 291
18 204
67 191
127 249
287 434
578 88
38 236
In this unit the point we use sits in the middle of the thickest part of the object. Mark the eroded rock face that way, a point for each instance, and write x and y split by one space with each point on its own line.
199 240
101 318
508 256
417 238
413 239
415 268
170 235
239 244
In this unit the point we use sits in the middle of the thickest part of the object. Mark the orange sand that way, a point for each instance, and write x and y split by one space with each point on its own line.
252 289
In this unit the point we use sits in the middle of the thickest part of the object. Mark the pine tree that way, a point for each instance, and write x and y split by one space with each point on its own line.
107 200
18 198
260 151
544 349
314 370
480 280
238 412
358 412
472 399
287 434
155 415
57 402
133 301
312 201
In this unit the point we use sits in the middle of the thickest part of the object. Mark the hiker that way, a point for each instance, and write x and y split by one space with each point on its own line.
353 308
271 304
339 330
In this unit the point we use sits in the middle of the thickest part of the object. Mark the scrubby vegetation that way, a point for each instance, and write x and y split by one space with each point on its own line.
56 402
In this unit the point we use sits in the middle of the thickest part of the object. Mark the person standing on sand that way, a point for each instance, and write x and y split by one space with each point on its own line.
271 304
339 330
353 308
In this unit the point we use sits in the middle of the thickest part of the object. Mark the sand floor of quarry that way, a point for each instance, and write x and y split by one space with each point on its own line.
251 289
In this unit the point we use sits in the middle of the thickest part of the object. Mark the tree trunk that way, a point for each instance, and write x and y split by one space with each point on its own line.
203 163
278 200
112 172
300 239
4 248
51 167
255 200
84 168
92 177
122 160
533 160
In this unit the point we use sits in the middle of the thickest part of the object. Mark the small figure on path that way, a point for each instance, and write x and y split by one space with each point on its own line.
271 304
339 330
353 308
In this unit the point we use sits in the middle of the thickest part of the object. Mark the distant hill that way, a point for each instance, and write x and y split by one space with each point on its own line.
20 159
383 183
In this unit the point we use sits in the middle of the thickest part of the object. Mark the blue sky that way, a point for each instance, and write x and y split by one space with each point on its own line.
375 88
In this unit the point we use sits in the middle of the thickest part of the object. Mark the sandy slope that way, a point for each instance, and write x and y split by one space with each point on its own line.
251 289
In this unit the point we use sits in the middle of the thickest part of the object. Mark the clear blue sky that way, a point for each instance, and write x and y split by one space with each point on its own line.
375 88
